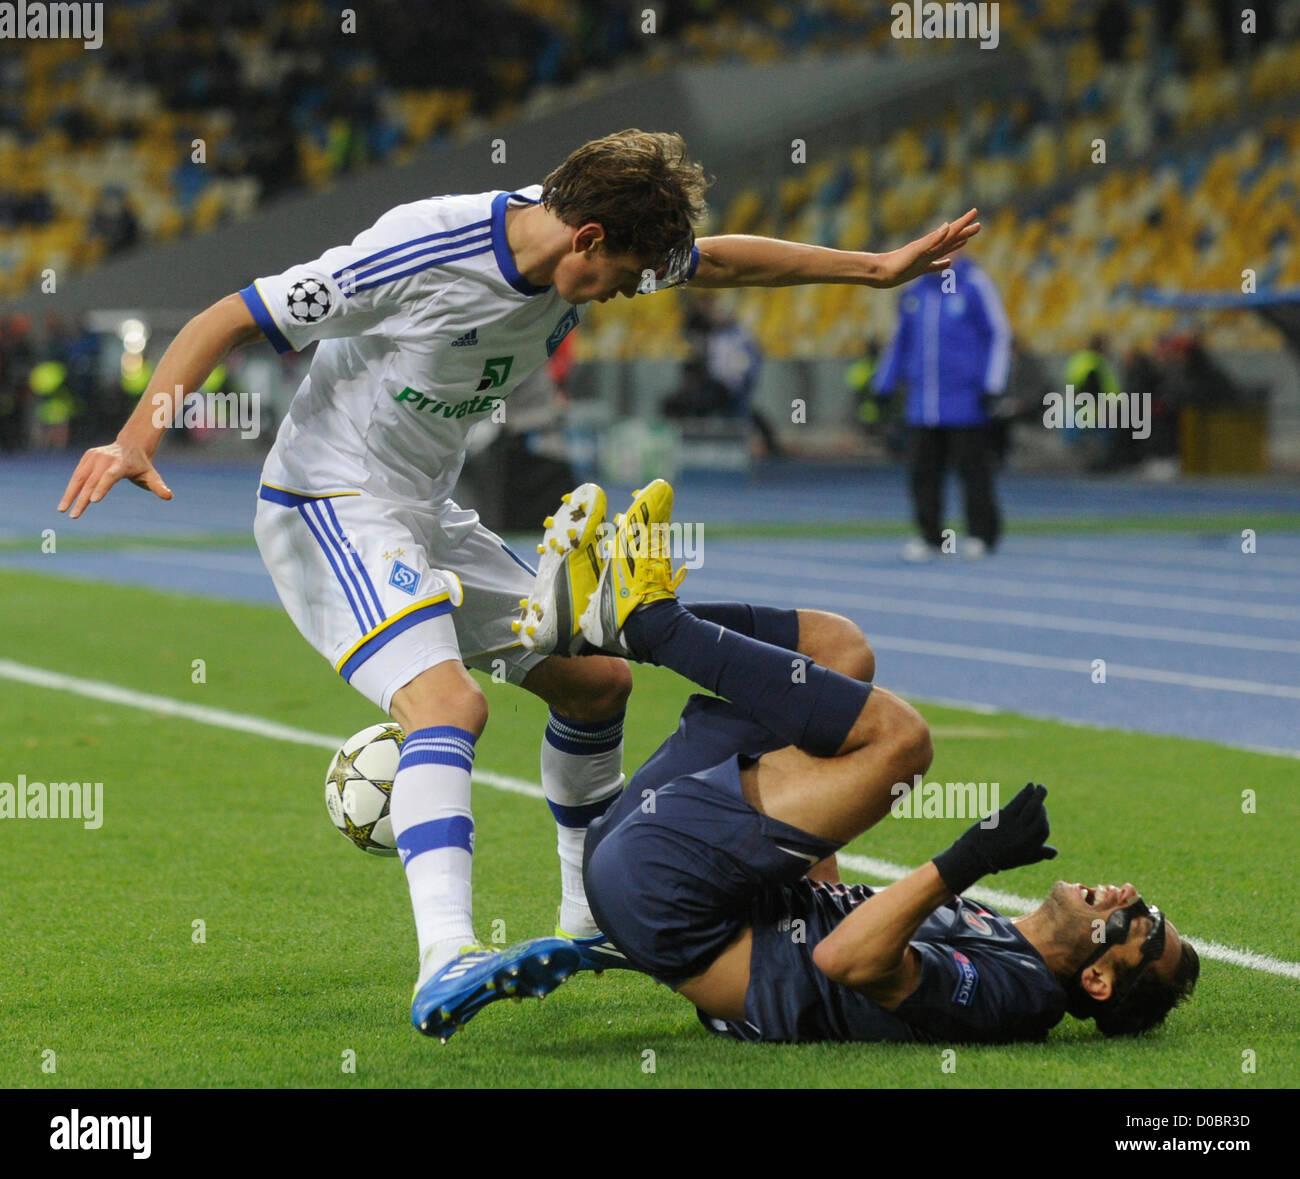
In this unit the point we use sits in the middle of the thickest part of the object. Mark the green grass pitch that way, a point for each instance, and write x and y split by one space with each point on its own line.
308 950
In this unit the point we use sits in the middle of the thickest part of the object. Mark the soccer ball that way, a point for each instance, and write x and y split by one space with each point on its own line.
309 300
358 786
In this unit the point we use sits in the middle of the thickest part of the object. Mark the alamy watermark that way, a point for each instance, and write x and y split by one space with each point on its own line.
924 19
919 799
124 1132
26 20
1098 411
53 800
683 543
208 411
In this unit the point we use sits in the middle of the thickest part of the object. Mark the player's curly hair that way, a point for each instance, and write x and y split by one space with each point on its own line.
641 187
1144 1006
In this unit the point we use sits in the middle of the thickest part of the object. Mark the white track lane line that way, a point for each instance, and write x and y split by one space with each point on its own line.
1051 561
1114 671
220 718
953 612
967 581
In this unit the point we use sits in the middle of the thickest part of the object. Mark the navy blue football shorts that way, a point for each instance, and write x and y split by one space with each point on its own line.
672 875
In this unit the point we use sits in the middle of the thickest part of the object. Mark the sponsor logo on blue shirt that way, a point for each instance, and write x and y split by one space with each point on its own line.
968 980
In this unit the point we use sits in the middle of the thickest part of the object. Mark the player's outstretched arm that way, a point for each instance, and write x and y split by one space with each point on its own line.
186 364
738 260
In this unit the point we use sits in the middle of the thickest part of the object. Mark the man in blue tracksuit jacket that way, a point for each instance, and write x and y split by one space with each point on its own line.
952 350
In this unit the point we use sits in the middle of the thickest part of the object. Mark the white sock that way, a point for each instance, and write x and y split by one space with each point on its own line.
581 776
434 830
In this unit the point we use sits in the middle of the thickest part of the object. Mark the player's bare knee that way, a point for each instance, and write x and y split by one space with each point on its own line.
889 723
597 688
836 642
442 695
915 749
862 660
614 688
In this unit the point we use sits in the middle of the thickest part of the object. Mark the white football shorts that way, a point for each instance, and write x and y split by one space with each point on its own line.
385 590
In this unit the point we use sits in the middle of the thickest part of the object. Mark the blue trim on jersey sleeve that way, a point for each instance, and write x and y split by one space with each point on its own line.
695 264
262 317
501 249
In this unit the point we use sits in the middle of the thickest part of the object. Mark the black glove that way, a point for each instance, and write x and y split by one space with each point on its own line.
1019 838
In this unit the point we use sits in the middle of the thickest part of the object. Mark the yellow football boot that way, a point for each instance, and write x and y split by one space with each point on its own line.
635 567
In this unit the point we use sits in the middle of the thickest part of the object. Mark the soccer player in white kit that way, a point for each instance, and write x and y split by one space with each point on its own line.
426 323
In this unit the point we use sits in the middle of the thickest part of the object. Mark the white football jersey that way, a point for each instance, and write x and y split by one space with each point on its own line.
425 326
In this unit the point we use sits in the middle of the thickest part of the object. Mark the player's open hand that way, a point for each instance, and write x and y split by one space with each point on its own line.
926 255
103 466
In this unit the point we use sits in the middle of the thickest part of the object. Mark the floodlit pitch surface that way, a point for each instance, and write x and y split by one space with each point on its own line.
216 931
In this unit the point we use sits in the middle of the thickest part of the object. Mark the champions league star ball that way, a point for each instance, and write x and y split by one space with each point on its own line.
359 784
308 300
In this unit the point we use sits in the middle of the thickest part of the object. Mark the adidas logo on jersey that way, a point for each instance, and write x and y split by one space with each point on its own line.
468 340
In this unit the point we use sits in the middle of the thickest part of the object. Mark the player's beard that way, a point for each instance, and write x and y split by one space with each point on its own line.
1071 930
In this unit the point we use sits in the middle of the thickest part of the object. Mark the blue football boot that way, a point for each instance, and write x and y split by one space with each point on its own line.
477 977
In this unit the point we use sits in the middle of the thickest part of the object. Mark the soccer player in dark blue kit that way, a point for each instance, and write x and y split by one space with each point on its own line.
701 873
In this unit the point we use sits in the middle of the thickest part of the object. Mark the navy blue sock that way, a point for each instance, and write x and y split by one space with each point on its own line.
788 694
767 624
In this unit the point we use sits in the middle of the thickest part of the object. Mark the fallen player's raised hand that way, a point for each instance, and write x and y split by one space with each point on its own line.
1015 836
103 466
926 255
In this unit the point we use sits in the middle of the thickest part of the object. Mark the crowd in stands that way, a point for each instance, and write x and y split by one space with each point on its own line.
1201 172
98 150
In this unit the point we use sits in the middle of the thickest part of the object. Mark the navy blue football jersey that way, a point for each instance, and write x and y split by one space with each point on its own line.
980 980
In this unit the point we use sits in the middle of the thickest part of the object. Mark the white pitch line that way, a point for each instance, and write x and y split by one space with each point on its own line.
222 719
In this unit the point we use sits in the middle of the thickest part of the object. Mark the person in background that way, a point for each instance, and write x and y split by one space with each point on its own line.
733 360
720 372
1090 371
952 350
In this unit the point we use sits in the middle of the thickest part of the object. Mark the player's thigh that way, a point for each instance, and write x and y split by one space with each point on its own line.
836 642
838 798
355 576
494 578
